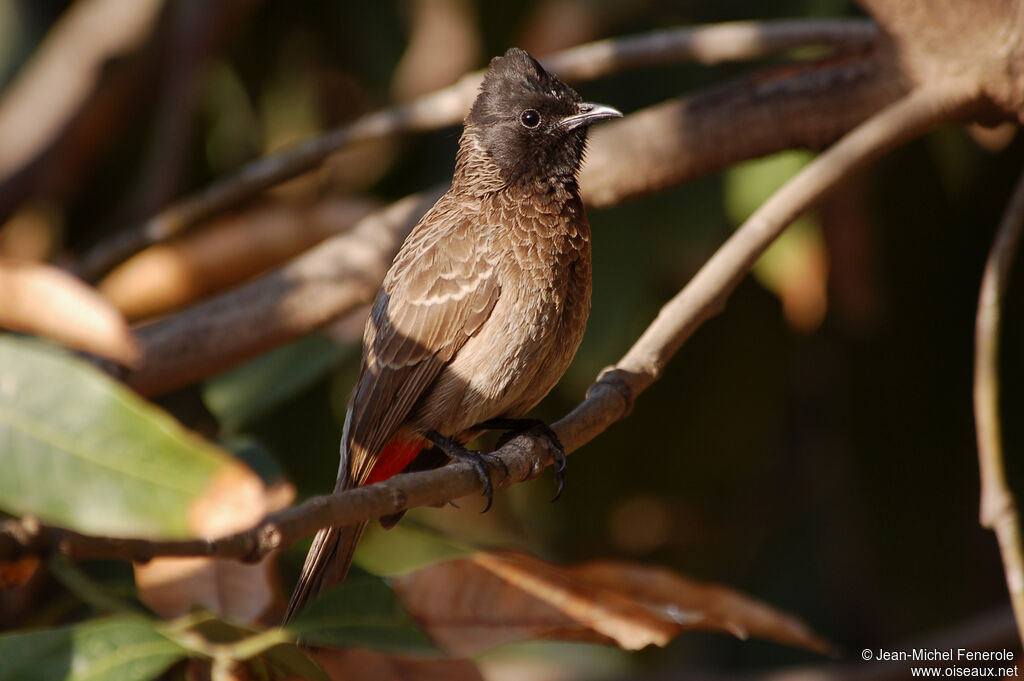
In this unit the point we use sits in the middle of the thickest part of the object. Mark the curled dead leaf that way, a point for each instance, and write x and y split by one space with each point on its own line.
40 299
234 500
699 605
490 599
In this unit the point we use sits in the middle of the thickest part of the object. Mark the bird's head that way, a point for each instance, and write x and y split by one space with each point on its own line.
528 122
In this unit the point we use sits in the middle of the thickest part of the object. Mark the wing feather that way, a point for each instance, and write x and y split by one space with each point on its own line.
439 292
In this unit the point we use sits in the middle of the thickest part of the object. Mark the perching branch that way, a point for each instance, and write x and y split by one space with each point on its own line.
665 145
711 44
609 399
998 504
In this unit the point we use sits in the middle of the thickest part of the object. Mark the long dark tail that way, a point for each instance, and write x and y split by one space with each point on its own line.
326 564
330 555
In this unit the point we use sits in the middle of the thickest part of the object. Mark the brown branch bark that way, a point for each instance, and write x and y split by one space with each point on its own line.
339 275
807 105
608 400
713 44
645 152
998 503
737 41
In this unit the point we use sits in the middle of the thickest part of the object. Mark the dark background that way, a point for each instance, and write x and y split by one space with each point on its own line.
828 468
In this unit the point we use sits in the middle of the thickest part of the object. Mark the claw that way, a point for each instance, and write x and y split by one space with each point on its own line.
561 466
477 459
457 452
518 426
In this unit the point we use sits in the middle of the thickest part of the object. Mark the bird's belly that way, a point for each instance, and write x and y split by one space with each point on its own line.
516 359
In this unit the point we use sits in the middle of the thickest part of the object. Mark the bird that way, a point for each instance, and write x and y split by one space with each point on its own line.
483 307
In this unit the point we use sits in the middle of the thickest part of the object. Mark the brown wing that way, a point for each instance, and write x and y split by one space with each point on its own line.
440 290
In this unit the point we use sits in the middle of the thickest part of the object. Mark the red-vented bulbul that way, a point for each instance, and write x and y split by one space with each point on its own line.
485 303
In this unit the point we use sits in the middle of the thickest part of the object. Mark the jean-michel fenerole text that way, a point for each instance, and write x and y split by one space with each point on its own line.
950 655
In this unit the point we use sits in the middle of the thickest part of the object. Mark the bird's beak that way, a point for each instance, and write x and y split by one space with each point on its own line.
588 113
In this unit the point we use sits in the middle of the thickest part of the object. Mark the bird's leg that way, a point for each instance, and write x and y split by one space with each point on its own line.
457 452
518 427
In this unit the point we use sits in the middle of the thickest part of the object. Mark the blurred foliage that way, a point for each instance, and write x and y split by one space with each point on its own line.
121 648
82 451
830 469
362 612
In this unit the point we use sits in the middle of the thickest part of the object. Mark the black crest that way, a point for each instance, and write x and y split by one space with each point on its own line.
516 119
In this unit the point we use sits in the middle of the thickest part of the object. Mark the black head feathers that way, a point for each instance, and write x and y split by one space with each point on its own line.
517 119
518 72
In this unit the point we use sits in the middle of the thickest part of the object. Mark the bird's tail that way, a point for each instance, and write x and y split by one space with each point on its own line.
330 556
327 563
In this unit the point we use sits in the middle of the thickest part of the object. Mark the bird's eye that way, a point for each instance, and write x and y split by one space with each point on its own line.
530 118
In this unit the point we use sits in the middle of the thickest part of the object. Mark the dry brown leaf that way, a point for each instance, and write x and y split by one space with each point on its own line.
489 599
357 664
14 573
699 605
232 249
40 299
240 591
234 500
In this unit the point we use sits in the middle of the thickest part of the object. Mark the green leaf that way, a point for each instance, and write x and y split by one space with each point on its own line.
363 612
240 396
788 267
80 451
405 548
124 648
244 644
290 658
750 184
97 595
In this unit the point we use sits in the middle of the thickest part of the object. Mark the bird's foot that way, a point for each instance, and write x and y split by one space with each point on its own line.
516 427
480 460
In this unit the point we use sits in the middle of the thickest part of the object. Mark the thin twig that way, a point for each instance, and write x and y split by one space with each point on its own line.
998 504
706 293
710 44
608 400
808 105
713 44
667 144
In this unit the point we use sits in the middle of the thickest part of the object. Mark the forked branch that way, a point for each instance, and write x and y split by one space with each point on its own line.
708 44
645 152
608 400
